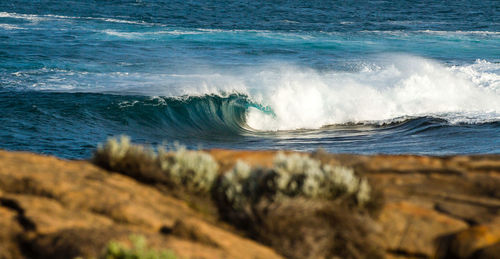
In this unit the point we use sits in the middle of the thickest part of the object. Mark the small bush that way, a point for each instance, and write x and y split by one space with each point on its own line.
298 207
122 156
194 170
291 176
139 250
305 228
234 185
301 175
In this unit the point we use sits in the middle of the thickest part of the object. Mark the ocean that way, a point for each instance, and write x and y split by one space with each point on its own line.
418 77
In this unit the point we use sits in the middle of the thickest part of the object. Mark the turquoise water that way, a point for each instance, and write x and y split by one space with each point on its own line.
346 76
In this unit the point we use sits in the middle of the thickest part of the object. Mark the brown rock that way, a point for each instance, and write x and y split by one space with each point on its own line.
468 212
235 247
74 242
227 158
62 209
10 229
489 252
466 243
411 229
46 215
190 230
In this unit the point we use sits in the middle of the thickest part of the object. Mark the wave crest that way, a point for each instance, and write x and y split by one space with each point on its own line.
190 115
405 86
282 96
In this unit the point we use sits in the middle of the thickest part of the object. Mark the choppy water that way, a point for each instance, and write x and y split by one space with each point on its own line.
371 77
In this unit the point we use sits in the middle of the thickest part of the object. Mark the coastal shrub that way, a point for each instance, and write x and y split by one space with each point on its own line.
194 170
139 250
301 175
291 176
120 155
234 185
300 207
307 228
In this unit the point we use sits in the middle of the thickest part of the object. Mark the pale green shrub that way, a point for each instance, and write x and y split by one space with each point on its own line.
289 207
304 176
293 169
364 191
234 185
292 175
118 153
195 170
139 250
115 149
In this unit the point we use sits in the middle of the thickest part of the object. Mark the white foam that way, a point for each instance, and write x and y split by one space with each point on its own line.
482 73
6 26
460 32
198 31
37 18
29 17
434 32
127 35
139 35
116 20
405 86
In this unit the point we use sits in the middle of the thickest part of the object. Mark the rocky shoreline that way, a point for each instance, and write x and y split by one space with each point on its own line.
443 207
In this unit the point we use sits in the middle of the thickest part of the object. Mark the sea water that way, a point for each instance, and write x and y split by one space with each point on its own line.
345 76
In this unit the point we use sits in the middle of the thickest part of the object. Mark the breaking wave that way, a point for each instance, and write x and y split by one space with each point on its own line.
282 97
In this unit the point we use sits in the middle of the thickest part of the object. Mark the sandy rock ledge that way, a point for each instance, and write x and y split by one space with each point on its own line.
443 207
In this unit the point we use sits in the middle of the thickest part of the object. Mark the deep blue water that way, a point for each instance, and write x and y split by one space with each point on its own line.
346 76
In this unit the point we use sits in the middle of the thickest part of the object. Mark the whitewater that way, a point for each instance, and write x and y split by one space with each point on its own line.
295 76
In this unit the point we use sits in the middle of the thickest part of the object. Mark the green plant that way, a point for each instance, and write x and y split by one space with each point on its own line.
291 176
239 185
290 208
301 207
139 250
116 152
304 176
194 170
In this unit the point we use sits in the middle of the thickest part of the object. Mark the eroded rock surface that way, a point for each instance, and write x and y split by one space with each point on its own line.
51 208
445 207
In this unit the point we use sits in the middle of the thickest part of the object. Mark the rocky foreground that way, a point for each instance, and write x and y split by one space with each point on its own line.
444 207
